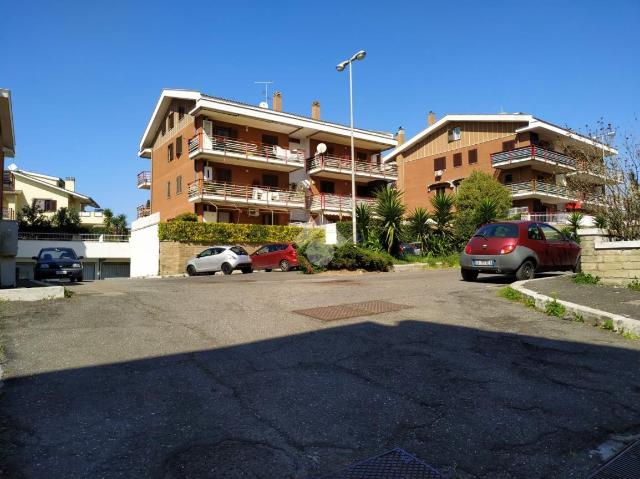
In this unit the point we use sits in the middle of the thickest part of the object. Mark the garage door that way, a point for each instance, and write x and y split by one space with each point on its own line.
115 270
88 271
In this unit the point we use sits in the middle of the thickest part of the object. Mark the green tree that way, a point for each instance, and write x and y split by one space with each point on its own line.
107 221
442 241
30 218
419 227
66 220
390 211
486 212
120 224
363 222
469 200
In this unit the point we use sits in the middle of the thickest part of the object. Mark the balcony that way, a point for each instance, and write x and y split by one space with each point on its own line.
340 168
8 181
540 158
93 218
8 214
547 192
249 195
335 204
144 180
143 210
235 152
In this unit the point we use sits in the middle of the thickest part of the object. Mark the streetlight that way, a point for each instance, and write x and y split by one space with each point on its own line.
610 134
340 67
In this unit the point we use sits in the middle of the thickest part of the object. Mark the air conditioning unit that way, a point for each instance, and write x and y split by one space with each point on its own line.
253 212
439 173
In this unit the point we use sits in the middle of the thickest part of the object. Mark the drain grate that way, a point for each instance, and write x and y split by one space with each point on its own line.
625 465
394 464
344 311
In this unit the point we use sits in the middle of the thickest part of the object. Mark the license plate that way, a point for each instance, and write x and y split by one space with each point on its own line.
483 262
61 272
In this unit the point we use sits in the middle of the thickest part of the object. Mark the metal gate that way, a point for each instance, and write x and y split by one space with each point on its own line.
115 270
88 271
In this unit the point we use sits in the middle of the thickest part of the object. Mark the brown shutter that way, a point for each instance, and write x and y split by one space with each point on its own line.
179 146
473 156
508 145
439 163
457 159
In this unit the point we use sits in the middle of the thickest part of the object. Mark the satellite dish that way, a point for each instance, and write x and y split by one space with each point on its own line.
321 148
263 104
12 167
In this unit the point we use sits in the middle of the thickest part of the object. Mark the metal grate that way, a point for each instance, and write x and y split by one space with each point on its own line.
625 465
394 464
344 311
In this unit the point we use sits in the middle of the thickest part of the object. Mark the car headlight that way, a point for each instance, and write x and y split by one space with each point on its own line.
44 266
76 265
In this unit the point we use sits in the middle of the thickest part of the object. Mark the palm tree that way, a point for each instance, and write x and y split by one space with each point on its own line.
486 212
363 221
442 241
390 209
574 221
419 227
120 224
107 221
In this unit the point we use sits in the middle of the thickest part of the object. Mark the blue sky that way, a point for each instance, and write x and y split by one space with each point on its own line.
85 76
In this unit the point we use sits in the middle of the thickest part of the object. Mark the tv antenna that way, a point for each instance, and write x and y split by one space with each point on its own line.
266 89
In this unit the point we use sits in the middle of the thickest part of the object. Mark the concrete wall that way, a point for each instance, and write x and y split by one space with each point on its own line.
616 262
145 246
88 249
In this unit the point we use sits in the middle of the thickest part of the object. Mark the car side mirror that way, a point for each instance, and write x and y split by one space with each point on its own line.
34 257
80 257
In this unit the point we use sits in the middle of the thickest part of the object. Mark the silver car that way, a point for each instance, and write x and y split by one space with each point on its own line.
220 258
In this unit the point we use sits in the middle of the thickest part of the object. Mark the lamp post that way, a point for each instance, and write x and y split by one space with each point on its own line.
340 67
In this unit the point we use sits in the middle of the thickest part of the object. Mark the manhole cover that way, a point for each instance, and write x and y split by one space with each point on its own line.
344 311
625 465
394 464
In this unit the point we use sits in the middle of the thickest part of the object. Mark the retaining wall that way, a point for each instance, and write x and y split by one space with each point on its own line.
616 262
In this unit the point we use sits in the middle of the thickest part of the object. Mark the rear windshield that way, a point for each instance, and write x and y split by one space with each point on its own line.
57 253
239 250
498 230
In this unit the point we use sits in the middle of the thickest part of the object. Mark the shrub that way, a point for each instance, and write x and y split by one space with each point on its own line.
390 210
608 325
352 257
509 293
189 216
553 308
634 285
586 278
194 232
345 231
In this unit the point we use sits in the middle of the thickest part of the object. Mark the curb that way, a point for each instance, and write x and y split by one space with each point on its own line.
32 294
597 316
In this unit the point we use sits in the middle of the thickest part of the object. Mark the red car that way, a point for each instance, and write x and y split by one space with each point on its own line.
518 247
273 256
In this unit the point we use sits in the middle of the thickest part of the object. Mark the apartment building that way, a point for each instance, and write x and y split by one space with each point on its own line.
539 162
48 193
233 162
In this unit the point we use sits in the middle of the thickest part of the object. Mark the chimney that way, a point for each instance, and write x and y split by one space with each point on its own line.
277 101
70 183
315 110
431 119
400 136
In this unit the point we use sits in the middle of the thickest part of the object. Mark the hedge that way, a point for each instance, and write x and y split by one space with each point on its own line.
190 232
345 231
348 256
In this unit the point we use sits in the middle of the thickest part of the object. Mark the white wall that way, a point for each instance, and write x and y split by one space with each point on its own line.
88 249
145 246
330 233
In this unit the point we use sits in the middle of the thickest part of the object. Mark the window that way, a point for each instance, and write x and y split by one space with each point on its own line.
239 250
170 121
508 179
540 178
223 175
473 156
533 233
361 156
179 146
455 134
270 180
57 253
550 233
225 131
170 152
508 145
499 230
440 163
268 219
225 217
330 150
327 187
180 113
178 184
457 160
269 139
45 206
168 189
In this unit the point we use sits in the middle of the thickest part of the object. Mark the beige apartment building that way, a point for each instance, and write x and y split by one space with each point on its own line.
233 162
537 161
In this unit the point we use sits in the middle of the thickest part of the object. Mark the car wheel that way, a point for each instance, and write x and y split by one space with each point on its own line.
191 270
526 271
247 270
226 268
577 268
268 270
284 265
468 274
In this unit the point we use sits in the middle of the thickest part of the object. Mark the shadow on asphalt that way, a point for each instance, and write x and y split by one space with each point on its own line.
474 402
508 279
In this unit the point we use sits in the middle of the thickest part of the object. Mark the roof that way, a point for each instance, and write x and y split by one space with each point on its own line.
7 135
533 123
34 177
297 122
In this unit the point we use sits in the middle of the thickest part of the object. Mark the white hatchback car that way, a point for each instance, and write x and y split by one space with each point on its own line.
220 258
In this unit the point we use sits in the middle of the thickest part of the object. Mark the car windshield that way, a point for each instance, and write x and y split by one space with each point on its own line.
239 250
498 230
57 253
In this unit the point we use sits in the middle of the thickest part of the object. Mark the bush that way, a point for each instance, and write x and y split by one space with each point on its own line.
352 257
186 217
194 232
586 278
345 231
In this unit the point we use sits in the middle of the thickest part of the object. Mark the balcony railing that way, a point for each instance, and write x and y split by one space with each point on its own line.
8 181
241 149
549 189
144 180
246 194
336 203
343 165
532 152
101 238
143 210
8 214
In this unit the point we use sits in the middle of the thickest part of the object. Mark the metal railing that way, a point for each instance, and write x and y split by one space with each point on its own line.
534 186
257 151
533 152
144 179
343 165
253 195
93 237
336 203
8 214
556 218
143 211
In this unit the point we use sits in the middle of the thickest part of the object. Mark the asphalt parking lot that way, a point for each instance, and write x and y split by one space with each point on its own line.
219 377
